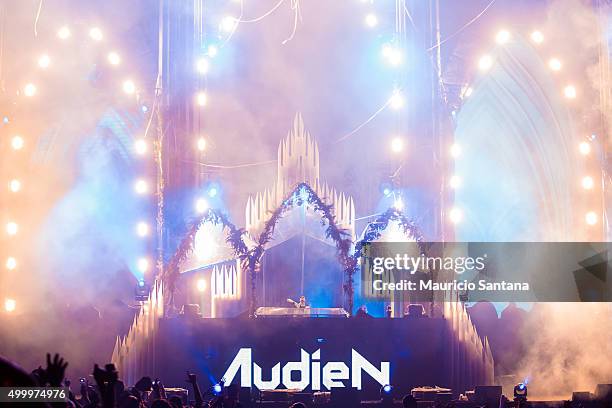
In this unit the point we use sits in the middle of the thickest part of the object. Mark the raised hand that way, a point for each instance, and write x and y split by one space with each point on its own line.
56 369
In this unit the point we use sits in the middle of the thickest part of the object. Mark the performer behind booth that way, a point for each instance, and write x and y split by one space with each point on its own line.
301 304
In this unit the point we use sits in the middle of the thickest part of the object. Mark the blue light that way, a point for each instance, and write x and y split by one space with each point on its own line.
212 192
387 389
387 191
521 386
217 389
141 283
144 108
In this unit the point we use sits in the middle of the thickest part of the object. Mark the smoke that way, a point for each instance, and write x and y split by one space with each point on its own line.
568 347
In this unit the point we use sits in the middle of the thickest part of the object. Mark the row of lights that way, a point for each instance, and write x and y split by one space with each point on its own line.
504 36
569 91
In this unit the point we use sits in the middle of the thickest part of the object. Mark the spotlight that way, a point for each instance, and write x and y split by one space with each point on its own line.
455 182
63 33
392 54
14 185
587 182
141 291
95 34
397 145
228 24
387 191
17 142
371 20
520 392
201 144
537 37
455 150
456 215
29 90
398 204
140 146
217 388
212 192
202 66
555 64
144 108
12 228
142 229
201 285
591 218
129 87
386 395
396 101
143 265
11 263
584 148
201 205
201 99
141 187
502 37
113 58
212 51
387 389
10 305
485 62
570 92
44 61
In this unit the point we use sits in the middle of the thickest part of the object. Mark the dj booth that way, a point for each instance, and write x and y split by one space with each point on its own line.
413 352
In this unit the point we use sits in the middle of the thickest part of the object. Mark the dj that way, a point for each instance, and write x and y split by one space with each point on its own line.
301 304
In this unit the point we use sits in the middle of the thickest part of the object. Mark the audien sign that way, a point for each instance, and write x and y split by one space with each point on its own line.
333 374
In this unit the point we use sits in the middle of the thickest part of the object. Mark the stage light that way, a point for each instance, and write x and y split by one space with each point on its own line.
591 218
392 54
228 24
387 389
129 87
217 389
371 20
14 185
398 204
141 187
10 305
44 61
584 148
144 108
502 37
29 90
397 100
201 285
555 64
212 192
11 263
455 215
397 145
520 393
570 92
113 58
212 50
455 150
95 34
386 395
201 144
537 37
587 182
142 229
201 205
12 228
63 33
455 182
201 98
17 142
143 265
140 146
202 66
485 62
387 191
